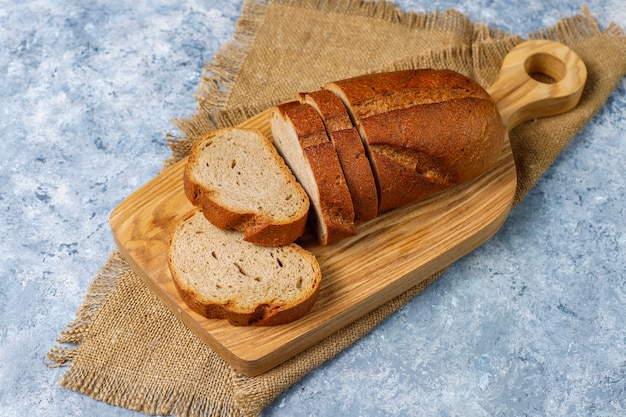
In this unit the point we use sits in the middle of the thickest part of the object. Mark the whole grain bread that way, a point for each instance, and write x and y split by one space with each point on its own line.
221 276
300 137
350 150
239 180
425 130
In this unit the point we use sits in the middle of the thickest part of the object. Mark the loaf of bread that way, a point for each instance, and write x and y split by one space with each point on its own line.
357 147
425 130
239 180
219 275
347 141
301 138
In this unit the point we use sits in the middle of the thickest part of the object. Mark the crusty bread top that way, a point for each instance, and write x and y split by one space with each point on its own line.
331 109
452 141
240 181
219 275
309 129
372 94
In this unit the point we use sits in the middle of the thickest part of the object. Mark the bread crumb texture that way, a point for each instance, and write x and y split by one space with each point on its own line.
221 268
244 172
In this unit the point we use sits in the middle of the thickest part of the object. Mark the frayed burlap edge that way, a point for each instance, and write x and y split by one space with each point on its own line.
220 75
254 393
105 281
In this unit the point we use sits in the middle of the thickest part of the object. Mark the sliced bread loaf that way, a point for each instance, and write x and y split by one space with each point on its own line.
240 181
347 141
219 275
425 130
300 137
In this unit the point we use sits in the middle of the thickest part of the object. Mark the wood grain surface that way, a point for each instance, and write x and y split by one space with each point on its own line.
391 253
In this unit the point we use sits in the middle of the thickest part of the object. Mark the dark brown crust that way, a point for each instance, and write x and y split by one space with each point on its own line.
335 202
347 141
358 172
447 143
330 108
336 208
262 315
257 228
306 122
383 92
425 130
400 186
455 135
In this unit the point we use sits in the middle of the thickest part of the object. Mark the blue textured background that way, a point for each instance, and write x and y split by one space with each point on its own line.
531 323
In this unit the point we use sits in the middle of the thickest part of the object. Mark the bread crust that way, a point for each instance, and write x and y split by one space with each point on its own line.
377 93
257 227
262 315
334 212
350 150
330 108
425 130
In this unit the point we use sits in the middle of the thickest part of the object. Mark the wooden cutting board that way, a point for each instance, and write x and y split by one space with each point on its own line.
391 253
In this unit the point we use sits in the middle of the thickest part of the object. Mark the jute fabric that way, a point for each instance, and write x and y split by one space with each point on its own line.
127 349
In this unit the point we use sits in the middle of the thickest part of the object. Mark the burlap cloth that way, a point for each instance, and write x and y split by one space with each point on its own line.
127 349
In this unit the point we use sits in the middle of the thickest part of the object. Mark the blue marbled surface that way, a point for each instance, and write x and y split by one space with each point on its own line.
531 323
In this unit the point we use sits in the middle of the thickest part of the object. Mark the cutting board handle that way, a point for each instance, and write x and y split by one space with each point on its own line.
521 97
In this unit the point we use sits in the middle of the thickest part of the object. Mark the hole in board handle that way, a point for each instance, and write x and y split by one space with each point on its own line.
545 68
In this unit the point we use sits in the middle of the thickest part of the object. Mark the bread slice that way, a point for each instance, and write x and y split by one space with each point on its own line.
300 137
241 182
425 130
347 141
221 276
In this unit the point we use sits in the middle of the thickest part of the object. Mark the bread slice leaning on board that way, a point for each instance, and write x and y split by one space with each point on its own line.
220 275
420 132
239 180
301 138
347 142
